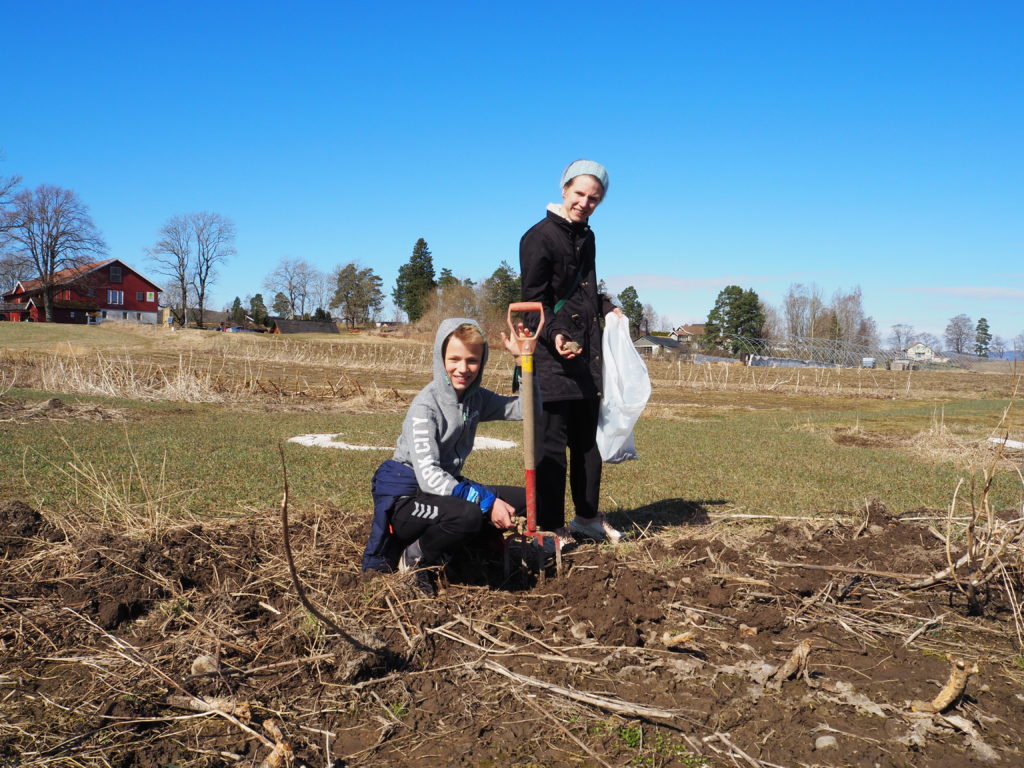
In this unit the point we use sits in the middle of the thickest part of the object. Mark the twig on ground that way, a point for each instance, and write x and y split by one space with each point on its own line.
601 702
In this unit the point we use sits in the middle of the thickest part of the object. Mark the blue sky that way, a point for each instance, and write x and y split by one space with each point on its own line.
878 144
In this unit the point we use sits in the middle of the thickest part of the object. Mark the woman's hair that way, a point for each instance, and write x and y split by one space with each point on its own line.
570 181
467 334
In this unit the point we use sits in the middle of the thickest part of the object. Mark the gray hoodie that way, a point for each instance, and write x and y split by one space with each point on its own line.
438 431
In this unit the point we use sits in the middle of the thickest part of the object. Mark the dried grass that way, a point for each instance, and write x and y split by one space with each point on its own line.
125 499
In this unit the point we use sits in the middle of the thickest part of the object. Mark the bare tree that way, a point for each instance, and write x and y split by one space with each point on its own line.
802 310
296 279
959 333
51 230
652 322
190 248
850 323
902 336
172 257
1018 345
997 347
320 290
8 184
215 243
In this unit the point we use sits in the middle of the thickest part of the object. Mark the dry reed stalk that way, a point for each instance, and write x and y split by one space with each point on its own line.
128 500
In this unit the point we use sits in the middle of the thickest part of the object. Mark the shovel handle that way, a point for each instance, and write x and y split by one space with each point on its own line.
527 343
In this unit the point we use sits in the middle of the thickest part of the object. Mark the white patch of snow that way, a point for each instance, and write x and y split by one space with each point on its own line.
331 441
1008 443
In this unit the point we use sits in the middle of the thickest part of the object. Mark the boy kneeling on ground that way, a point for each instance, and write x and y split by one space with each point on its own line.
422 502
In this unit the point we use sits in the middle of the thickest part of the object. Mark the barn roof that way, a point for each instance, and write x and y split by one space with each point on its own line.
303 326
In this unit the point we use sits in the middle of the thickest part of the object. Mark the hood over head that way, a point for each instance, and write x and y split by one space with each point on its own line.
444 330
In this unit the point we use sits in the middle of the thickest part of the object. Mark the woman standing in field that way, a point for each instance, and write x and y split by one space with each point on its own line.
557 263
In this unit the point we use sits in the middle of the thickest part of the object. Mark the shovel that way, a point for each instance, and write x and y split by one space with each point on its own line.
527 343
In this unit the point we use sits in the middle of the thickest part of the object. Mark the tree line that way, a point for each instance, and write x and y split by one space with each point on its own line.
805 314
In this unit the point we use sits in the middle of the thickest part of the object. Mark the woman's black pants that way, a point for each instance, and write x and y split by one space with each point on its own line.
572 425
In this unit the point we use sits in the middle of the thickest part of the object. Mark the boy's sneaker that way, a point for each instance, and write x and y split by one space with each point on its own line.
596 528
410 558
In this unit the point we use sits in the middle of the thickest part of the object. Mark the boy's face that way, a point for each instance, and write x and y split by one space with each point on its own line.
462 363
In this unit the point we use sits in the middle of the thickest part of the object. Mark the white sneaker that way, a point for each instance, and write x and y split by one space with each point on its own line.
410 557
596 528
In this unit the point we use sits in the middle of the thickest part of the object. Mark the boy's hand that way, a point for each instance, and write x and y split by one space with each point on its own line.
512 344
503 515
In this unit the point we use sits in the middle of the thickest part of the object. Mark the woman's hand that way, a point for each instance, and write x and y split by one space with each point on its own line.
503 515
566 347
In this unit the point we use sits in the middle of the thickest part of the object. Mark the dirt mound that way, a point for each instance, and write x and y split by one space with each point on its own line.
805 646
55 409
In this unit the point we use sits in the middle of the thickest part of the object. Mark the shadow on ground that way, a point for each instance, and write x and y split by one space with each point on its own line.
666 513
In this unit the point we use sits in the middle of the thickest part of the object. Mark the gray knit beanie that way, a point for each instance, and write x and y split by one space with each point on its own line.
585 167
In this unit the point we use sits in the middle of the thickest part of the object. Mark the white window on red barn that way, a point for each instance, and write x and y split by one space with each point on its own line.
115 297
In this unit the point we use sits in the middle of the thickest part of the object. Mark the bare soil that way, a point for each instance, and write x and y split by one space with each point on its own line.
187 646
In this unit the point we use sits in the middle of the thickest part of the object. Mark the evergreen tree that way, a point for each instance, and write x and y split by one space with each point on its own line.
258 310
281 307
322 315
237 313
736 313
357 294
415 281
629 302
502 288
982 338
446 279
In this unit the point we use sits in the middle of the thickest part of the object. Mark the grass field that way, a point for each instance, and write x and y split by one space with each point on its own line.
752 441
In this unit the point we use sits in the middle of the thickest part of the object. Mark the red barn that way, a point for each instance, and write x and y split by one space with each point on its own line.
90 293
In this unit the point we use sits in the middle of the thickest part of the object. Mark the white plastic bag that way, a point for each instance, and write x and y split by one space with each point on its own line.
626 388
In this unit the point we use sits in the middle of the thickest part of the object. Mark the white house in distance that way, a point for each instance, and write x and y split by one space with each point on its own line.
922 353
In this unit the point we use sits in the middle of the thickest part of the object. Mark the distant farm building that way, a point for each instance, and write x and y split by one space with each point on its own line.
922 353
656 346
279 325
90 293
688 336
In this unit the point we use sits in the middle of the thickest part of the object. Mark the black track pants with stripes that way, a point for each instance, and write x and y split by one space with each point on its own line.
442 523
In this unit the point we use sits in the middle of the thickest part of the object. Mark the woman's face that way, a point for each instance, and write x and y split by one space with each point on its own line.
580 197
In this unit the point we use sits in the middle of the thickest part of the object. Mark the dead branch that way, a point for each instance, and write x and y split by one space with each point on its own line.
595 700
300 590
841 569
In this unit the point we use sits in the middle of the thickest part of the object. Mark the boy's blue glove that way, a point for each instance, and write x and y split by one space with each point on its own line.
475 493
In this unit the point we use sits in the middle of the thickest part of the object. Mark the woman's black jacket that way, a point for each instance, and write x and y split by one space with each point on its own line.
556 261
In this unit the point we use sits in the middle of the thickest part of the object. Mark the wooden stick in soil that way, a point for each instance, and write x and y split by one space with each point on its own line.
300 590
